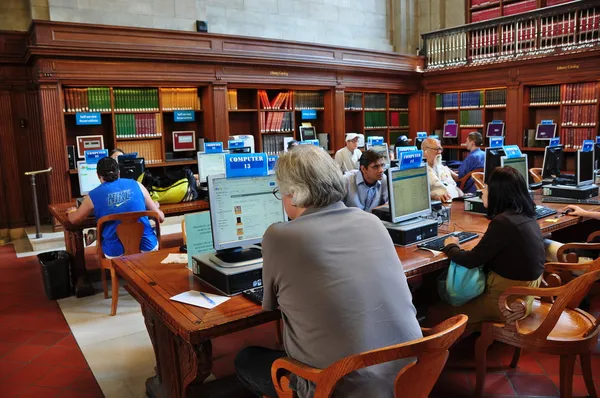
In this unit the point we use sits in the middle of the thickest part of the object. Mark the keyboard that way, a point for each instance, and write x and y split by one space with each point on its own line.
542 211
438 243
178 159
255 295
569 201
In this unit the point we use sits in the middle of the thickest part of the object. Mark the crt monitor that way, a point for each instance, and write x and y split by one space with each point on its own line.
492 160
409 193
382 149
495 129
553 160
88 177
520 164
545 131
209 164
307 133
585 168
131 168
241 210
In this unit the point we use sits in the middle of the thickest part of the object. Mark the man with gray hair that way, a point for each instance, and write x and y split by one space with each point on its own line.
341 289
442 184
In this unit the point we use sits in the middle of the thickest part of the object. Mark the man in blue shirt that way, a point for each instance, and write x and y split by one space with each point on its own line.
366 188
474 160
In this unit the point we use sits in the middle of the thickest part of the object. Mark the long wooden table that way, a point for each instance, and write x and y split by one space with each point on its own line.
74 238
181 334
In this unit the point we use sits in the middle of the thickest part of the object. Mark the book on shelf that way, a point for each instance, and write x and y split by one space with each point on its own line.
470 118
495 98
353 101
556 2
232 99
574 137
142 125
580 93
376 119
579 116
482 3
484 15
274 144
545 95
136 99
398 119
276 122
309 100
375 101
90 99
399 101
282 100
519 7
471 99
150 150
180 99
446 100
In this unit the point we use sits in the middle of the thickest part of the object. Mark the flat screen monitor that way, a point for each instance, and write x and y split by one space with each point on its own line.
88 177
409 193
553 160
495 129
450 131
519 164
492 160
210 164
307 133
418 142
131 168
241 209
382 149
545 131
585 168
597 156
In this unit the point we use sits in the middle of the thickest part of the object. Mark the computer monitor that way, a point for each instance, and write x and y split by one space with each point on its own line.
495 129
307 133
408 193
545 131
210 164
382 149
492 160
131 168
88 177
519 164
597 155
553 160
450 131
241 210
585 168
418 142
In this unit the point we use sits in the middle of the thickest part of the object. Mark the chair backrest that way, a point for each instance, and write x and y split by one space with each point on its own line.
478 178
183 231
463 181
536 174
415 380
129 231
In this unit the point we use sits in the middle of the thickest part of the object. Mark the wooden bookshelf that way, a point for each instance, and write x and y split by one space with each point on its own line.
482 10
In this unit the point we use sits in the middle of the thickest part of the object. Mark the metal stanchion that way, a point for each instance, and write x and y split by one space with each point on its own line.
32 174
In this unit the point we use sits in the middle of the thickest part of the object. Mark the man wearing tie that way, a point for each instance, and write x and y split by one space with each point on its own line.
366 188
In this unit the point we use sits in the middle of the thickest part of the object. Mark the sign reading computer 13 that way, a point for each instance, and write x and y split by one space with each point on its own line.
410 159
246 164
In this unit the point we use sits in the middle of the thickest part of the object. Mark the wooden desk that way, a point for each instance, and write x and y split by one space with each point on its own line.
74 238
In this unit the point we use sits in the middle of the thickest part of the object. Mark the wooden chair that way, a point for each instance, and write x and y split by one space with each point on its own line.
415 380
130 232
463 181
183 231
478 177
555 326
536 174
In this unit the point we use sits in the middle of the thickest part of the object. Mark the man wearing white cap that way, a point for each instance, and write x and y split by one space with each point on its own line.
347 157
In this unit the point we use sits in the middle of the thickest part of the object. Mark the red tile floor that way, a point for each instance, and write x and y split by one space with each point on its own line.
40 358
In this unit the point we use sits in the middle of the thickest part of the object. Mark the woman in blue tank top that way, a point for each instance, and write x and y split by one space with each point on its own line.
113 196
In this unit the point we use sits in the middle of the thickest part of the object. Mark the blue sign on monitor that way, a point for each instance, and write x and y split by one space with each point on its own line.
246 164
598 139
92 157
88 118
554 141
213 147
497 121
496 142
410 160
450 121
309 142
588 146
234 144
184 116
400 149
421 134
544 122
375 140
271 162
309 114
512 151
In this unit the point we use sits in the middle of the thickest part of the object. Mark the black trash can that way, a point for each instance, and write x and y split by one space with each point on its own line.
55 274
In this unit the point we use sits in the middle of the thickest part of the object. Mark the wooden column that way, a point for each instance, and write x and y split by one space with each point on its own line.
10 165
339 117
514 115
215 113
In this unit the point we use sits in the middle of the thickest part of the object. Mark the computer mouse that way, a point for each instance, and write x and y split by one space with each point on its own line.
566 212
183 249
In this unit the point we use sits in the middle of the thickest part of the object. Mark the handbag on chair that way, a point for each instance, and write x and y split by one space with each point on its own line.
459 285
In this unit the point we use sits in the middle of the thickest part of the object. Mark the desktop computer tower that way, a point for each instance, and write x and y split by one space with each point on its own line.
566 191
475 205
324 140
71 157
407 234
228 280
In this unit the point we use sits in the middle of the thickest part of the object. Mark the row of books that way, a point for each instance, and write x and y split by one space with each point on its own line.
141 125
180 99
136 99
232 99
580 93
583 115
544 95
446 100
282 100
556 2
90 99
398 119
375 101
353 101
471 118
376 120
309 100
519 7
150 150
473 99
495 98
573 137
399 101
273 144
481 3
276 122
484 15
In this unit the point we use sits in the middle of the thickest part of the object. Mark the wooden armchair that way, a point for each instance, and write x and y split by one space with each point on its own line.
536 174
479 178
415 380
461 182
130 232
555 326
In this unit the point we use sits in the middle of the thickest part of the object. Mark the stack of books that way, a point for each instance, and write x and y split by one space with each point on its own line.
180 99
91 99
136 99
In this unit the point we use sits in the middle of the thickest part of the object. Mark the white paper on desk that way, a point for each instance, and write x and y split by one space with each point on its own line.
195 298
175 258
434 252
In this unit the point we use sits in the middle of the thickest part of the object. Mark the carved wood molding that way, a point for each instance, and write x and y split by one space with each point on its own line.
13 47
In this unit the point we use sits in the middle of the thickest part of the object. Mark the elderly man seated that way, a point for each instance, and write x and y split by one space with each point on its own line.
441 179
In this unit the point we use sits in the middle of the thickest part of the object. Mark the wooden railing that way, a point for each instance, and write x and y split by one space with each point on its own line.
564 28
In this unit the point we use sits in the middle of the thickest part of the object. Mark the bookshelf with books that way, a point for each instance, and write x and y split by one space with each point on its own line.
482 10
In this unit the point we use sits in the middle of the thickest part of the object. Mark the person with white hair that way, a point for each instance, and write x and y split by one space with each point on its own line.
442 184
334 273
347 158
